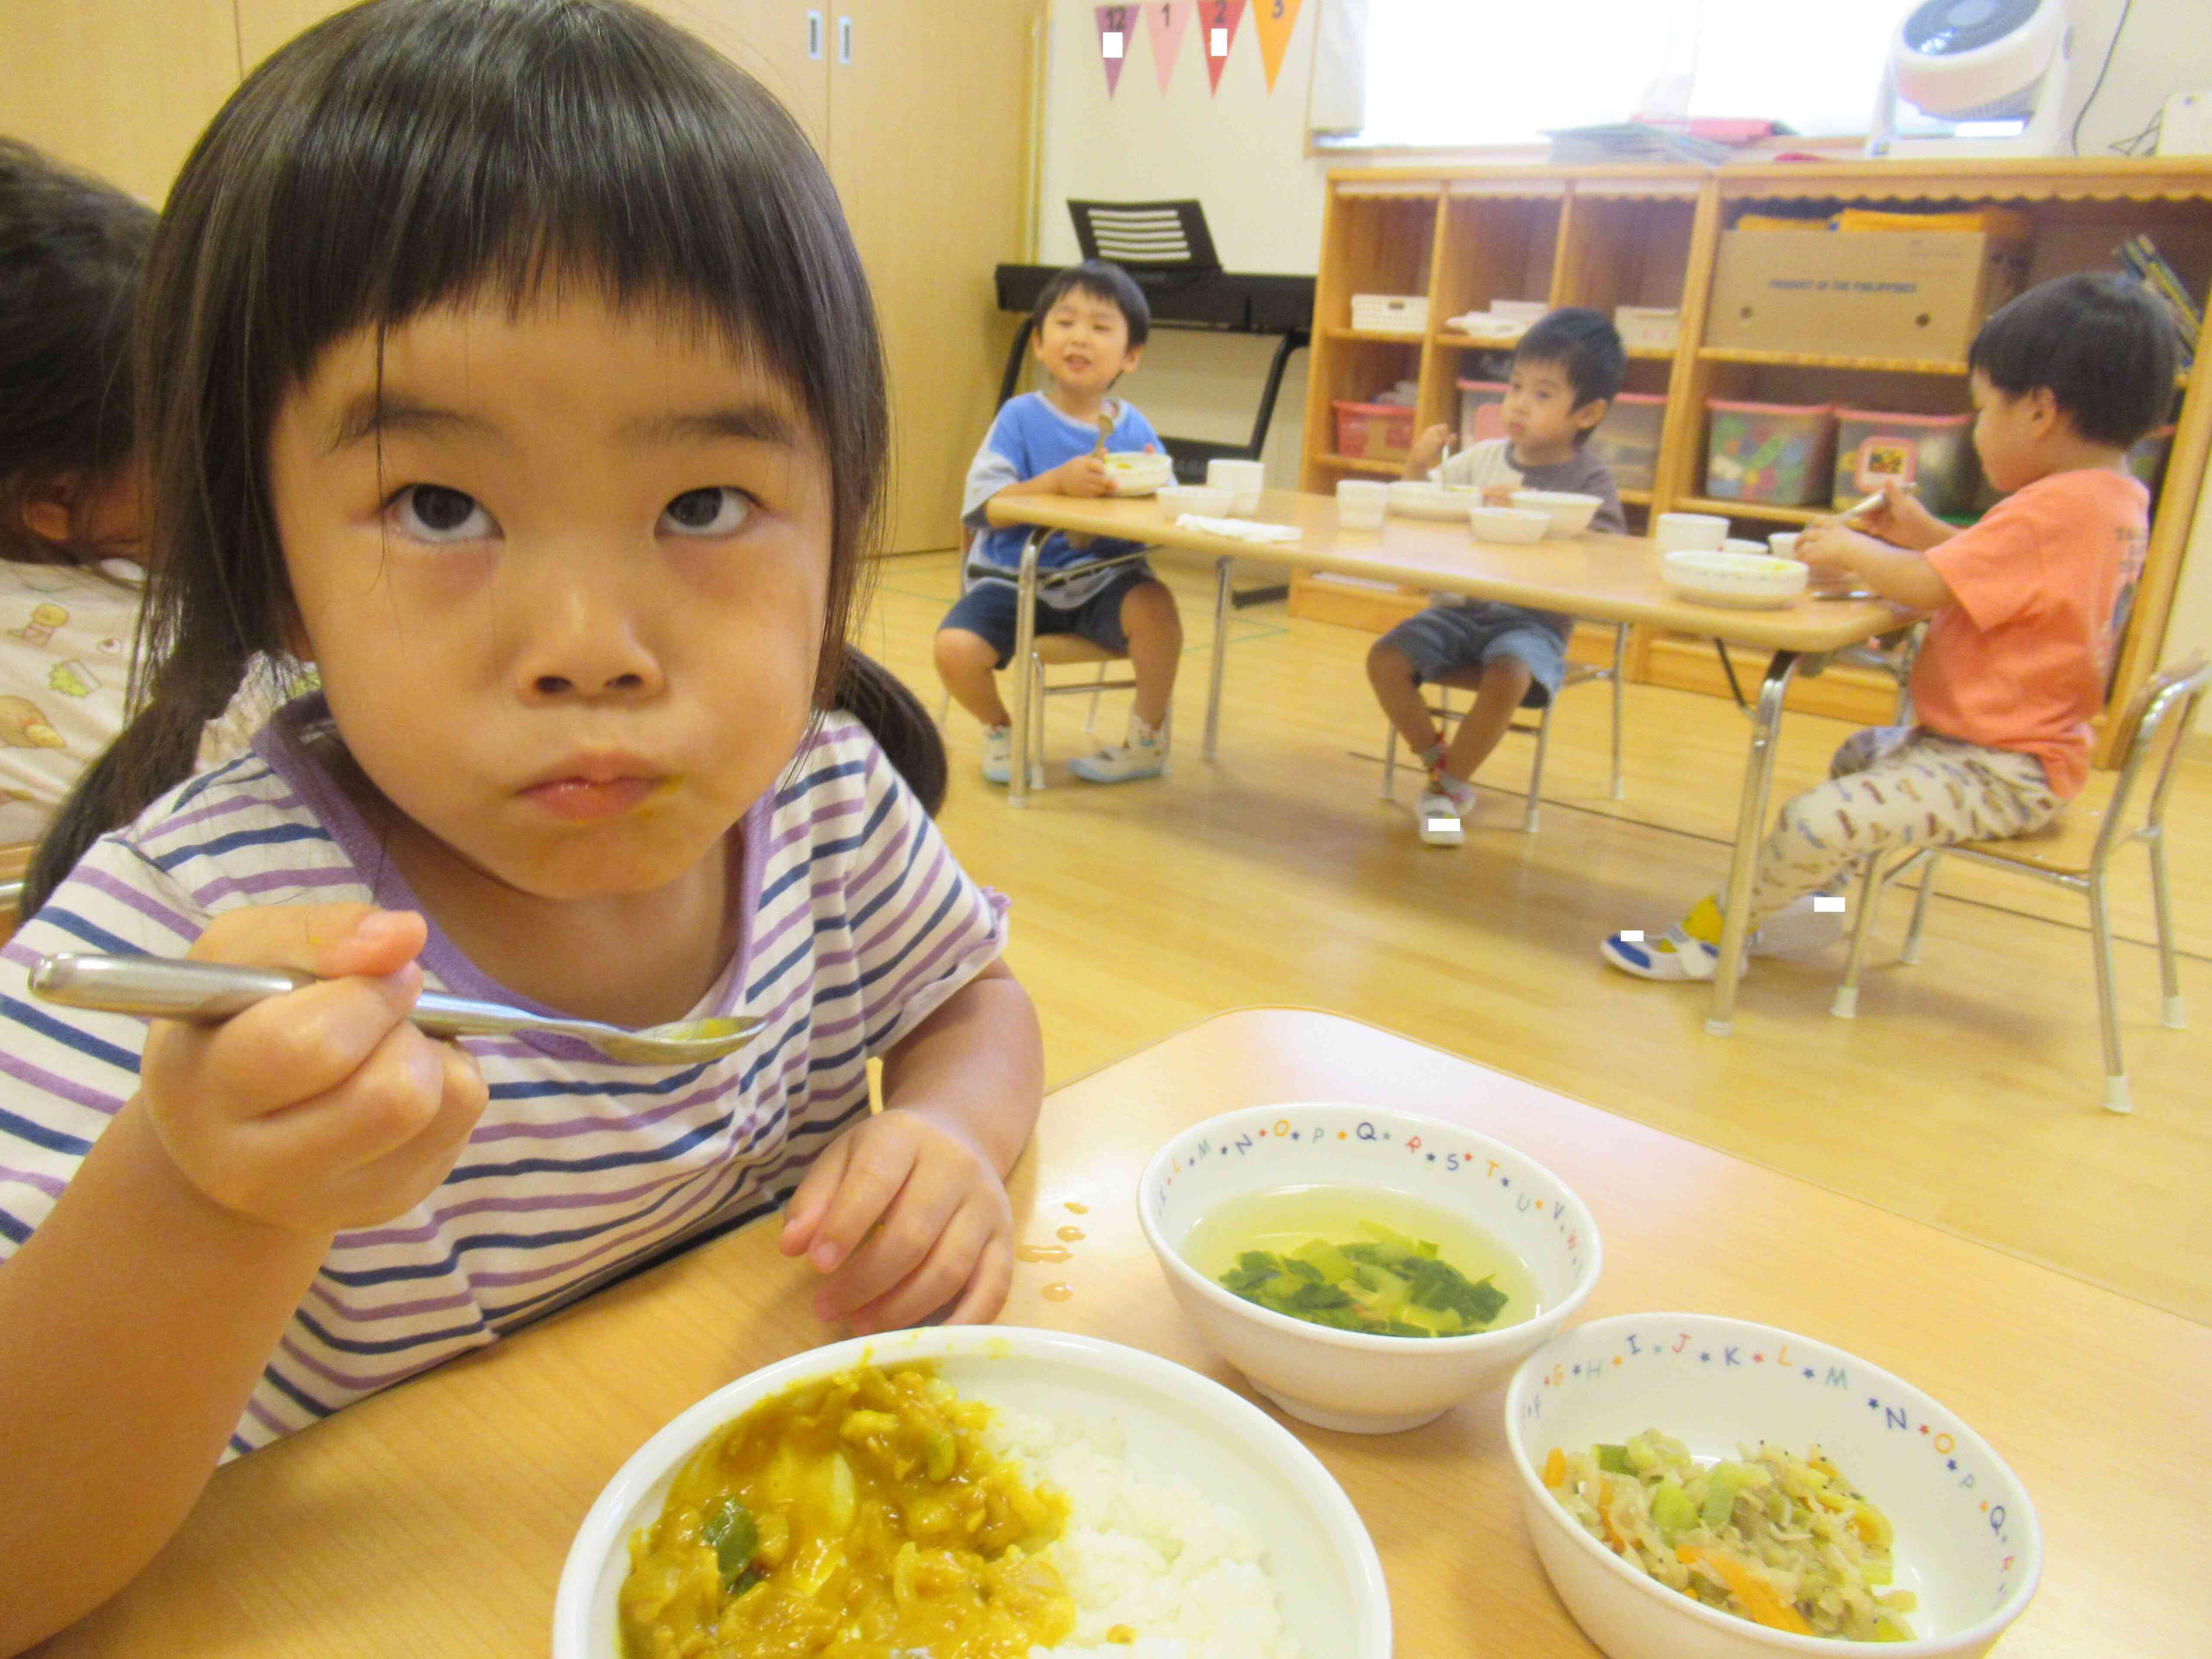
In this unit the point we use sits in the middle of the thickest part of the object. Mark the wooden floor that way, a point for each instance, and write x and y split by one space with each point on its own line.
1964 1094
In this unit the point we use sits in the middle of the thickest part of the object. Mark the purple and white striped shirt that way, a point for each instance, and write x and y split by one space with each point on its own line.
855 923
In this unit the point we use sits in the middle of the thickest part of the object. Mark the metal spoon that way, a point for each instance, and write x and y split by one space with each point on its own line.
207 994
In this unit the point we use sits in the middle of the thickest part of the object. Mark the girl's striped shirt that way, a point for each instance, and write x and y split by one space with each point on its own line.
855 923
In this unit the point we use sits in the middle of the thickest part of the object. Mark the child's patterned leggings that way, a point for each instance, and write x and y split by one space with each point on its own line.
1896 787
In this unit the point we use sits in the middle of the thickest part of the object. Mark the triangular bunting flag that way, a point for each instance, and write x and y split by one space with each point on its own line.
1216 21
1116 24
1274 19
1166 22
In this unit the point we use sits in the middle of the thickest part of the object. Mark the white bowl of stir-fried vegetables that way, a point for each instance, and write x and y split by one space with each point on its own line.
1382 1335
1705 1488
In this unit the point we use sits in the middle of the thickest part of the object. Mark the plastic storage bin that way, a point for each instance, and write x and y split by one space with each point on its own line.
1781 454
1651 328
1481 410
1934 453
1627 438
1373 432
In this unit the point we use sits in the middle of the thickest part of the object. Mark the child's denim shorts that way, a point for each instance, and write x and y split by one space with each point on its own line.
988 609
1445 638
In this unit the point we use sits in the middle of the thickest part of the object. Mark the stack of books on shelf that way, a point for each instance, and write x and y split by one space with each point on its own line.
2143 260
1639 141
1390 313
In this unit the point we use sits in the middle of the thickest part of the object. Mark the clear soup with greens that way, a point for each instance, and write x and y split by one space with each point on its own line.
1362 1259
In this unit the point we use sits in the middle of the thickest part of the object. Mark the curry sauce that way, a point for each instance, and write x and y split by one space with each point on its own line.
856 1517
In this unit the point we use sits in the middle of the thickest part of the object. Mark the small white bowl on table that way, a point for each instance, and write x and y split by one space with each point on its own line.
1348 1380
1243 480
1968 1544
1204 499
1569 514
1672 530
1138 472
1742 581
1322 1564
1508 524
1361 503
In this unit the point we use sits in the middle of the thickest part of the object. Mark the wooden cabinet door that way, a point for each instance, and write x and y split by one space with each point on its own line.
116 88
782 44
265 25
929 142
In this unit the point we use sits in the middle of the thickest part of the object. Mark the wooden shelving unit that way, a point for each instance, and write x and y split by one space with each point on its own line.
1650 236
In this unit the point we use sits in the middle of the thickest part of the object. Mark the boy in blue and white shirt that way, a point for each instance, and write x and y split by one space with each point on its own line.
1090 325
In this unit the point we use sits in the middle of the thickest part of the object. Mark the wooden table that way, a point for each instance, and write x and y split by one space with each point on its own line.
431 1521
1605 578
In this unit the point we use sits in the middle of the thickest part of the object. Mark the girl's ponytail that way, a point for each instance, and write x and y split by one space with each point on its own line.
876 697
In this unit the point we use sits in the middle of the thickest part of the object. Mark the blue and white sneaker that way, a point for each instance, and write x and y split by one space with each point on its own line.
998 753
1672 955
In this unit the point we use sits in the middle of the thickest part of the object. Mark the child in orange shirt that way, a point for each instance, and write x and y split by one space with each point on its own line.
2015 662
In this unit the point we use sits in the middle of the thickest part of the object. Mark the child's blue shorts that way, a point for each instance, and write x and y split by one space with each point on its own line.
1445 638
986 610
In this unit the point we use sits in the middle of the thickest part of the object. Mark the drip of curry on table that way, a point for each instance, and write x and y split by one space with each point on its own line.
857 1516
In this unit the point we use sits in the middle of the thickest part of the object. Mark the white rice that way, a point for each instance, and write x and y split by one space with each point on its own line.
1184 1573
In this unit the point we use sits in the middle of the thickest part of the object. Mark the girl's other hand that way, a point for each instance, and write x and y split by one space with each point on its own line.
1497 494
323 1109
1902 521
904 1213
1085 476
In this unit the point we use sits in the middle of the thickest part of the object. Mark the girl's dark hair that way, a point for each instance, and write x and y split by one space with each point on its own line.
70 250
1102 279
409 153
2104 348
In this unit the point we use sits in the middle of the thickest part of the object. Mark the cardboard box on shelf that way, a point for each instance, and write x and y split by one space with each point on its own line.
1847 294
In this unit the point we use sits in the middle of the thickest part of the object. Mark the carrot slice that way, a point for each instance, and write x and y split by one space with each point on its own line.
1555 1468
1757 1595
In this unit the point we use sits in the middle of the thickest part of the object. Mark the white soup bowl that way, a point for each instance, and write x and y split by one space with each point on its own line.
1348 1380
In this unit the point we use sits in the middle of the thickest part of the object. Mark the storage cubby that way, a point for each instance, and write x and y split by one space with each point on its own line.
1651 237
1386 245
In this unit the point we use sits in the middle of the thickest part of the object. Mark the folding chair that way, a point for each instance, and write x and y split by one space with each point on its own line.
1059 651
2076 852
1540 728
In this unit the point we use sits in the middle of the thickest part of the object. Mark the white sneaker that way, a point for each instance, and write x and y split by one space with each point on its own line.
1799 926
1672 955
1441 813
1143 755
998 753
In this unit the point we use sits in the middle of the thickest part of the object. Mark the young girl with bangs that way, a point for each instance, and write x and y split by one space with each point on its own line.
511 364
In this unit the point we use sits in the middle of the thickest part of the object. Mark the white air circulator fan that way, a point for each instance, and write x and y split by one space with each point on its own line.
1974 77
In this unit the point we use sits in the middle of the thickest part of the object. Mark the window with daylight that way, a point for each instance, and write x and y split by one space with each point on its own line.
1446 73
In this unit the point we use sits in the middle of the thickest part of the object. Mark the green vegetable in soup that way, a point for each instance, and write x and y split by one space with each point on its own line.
1383 1284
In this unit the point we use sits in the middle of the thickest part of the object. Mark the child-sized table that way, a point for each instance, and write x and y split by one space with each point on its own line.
431 1520
1605 579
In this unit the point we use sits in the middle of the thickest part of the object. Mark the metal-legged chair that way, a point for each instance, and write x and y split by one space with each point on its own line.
1062 650
2076 852
1540 728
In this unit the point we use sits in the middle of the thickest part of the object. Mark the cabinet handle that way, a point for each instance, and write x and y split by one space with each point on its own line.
814 36
845 40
